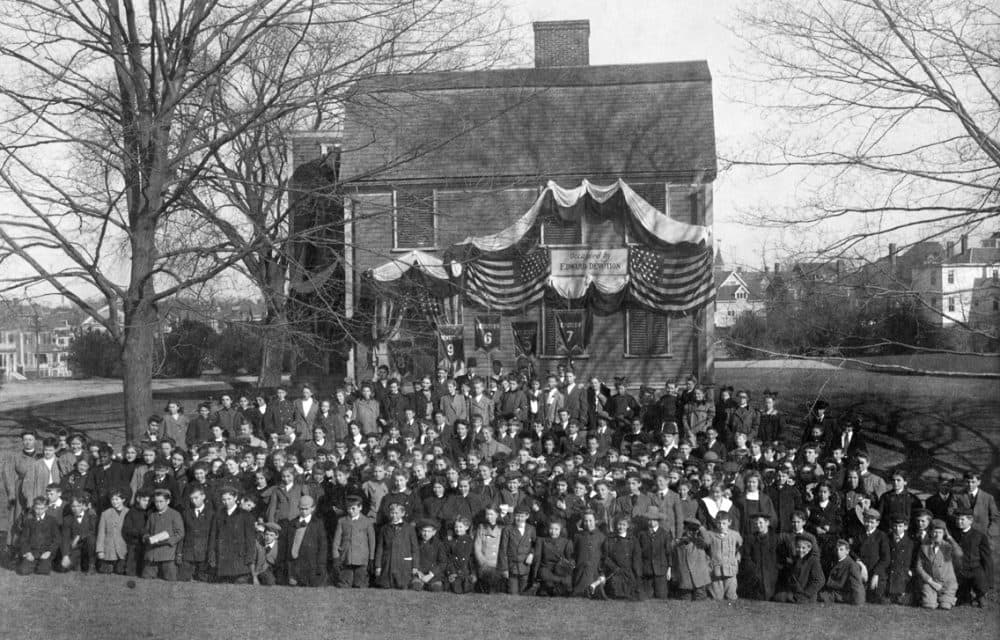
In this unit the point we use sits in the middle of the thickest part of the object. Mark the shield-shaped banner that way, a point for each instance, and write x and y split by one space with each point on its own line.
525 338
452 343
487 333
572 331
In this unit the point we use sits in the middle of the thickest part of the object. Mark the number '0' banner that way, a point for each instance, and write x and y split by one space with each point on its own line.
452 342
487 332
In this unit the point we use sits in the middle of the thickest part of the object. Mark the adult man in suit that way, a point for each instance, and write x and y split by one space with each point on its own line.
264 419
197 516
354 546
232 543
668 505
985 515
553 403
598 396
306 409
849 438
575 399
42 472
228 417
304 547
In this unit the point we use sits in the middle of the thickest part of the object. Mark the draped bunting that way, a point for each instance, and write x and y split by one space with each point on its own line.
669 271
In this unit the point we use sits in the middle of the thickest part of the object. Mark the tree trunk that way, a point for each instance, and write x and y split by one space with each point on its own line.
137 369
272 353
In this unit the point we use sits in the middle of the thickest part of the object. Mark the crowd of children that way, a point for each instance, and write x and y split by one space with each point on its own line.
544 486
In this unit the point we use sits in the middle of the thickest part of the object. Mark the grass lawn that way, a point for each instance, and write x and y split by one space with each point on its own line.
74 606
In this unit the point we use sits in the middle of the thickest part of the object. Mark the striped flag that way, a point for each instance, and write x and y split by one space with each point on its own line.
670 284
507 284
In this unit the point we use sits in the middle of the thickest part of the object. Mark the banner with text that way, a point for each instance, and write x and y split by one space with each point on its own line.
487 333
573 270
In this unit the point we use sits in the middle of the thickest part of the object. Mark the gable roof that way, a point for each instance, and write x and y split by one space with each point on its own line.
728 292
976 255
650 120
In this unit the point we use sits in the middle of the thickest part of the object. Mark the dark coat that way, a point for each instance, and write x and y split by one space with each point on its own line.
901 554
197 533
587 554
803 579
976 555
309 568
758 577
233 543
654 552
395 550
785 499
845 579
432 557
86 531
873 550
515 549
40 536
460 556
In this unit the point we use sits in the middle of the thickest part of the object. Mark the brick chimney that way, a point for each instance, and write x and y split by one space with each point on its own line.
562 43
777 267
892 255
964 241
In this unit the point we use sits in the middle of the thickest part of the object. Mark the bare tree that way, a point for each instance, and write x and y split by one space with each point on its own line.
883 117
111 124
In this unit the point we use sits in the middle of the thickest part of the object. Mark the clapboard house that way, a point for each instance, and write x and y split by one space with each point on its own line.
534 215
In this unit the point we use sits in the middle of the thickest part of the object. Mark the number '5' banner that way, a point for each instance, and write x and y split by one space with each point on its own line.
487 333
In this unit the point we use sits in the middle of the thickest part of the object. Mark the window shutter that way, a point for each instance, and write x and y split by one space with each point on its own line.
655 193
548 331
638 332
415 219
557 231
660 334
683 203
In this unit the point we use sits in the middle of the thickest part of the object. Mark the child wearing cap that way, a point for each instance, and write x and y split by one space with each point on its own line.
899 573
935 566
655 544
690 561
354 546
844 582
430 560
724 558
871 549
516 551
266 559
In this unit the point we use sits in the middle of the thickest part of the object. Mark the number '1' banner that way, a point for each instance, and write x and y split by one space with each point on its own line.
487 332
452 342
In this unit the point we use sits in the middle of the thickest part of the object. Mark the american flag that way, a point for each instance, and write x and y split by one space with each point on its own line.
507 284
670 284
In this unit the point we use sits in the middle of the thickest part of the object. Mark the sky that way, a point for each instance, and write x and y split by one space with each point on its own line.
646 31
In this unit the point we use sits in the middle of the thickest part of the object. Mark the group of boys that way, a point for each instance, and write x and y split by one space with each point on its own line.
481 485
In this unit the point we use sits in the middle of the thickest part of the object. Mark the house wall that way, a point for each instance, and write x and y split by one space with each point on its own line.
477 210
931 283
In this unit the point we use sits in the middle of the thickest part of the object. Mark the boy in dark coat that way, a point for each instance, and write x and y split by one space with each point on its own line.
431 559
516 545
39 540
871 548
460 571
79 537
655 544
395 550
901 553
975 569
804 578
844 584
232 546
197 517
304 547
758 577
133 530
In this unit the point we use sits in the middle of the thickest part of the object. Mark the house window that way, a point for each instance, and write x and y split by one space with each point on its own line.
933 277
996 304
647 334
552 344
556 232
951 277
951 303
414 223
655 193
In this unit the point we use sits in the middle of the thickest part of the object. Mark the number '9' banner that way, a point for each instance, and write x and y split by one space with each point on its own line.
487 332
452 342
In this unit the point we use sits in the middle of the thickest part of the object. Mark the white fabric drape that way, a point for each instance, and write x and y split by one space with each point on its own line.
395 268
576 286
655 222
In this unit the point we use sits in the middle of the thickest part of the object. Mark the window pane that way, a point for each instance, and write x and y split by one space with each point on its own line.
648 333
655 193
